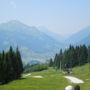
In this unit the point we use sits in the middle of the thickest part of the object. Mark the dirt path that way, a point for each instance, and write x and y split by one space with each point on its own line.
37 76
26 75
29 75
73 79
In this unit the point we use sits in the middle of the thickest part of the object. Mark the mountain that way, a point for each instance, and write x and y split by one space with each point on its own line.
33 62
85 41
55 36
79 37
33 43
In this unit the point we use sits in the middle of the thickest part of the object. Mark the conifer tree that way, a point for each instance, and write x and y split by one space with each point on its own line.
60 59
19 62
89 56
55 60
51 62
71 57
11 66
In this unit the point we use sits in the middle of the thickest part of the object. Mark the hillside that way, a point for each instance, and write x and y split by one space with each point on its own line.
79 37
33 43
55 36
85 41
83 72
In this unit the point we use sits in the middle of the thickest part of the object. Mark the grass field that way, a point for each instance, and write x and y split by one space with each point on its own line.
53 80
83 73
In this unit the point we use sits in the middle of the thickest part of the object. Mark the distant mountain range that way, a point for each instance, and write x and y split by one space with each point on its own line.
85 41
37 43
55 36
33 43
81 37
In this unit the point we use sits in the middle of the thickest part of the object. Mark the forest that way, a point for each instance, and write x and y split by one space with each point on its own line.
11 65
71 57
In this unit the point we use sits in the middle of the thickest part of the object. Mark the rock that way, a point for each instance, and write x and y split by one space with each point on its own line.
69 87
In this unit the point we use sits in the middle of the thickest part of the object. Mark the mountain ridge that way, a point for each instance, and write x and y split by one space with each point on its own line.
77 37
31 41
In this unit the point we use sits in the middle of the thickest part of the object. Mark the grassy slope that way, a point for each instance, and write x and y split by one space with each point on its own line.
83 73
53 80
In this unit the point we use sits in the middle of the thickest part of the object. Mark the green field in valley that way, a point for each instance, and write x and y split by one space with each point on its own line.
52 80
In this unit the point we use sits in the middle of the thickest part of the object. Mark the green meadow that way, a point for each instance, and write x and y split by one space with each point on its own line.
52 80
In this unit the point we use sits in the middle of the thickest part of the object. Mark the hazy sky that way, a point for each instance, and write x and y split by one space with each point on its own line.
60 16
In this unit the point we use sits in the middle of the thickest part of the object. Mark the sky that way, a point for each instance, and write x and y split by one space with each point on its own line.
63 17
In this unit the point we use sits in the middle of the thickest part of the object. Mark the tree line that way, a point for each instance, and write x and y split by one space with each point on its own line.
71 57
11 65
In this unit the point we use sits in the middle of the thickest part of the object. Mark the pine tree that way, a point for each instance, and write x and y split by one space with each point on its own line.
11 60
1 69
55 60
89 56
83 55
71 57
11 66
19 63
60 59
51 62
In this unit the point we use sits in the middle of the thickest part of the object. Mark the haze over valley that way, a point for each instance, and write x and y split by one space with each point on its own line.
38 43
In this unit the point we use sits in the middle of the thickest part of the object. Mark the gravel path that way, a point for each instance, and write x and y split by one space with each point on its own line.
26 75
37 76
29 75
73 79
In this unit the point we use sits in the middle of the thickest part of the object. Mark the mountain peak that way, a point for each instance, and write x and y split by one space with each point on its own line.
13 25
14 22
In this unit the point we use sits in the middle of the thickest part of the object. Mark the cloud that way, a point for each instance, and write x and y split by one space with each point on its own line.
13 4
